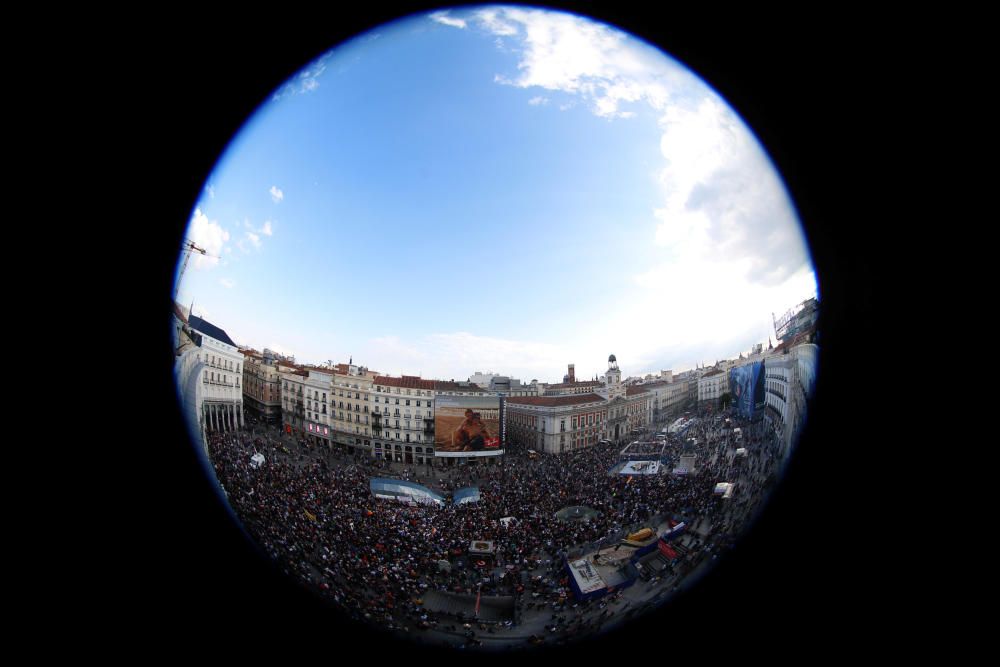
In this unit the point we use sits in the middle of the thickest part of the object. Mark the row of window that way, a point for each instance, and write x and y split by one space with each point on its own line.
419 450
210 377
420 392
407 402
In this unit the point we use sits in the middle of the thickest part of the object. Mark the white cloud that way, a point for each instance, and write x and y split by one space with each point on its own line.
208 235
266 230
228 283
307 80
575 55
444 19
535 101
254 239
211 191
489 19
276 194
721 197
706 305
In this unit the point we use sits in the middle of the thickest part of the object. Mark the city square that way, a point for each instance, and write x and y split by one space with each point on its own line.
496 212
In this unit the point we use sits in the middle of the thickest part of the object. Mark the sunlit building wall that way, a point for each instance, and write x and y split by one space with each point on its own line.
351 406
555 424
403 419
261 386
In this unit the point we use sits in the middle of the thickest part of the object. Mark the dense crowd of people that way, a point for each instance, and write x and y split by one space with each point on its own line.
313 512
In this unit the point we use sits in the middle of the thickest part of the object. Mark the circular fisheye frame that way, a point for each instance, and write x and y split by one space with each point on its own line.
397 293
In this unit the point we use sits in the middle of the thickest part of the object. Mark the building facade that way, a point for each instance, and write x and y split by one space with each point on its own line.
261 386
317 385
556 424
403 419
669 399
351 408
711 387
209 368
502 385
790 378
570 418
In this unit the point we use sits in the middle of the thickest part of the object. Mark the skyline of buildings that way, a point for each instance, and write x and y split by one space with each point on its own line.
393 417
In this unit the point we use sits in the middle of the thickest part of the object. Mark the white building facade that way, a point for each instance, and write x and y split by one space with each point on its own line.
711 386
209 367
403 419
790 379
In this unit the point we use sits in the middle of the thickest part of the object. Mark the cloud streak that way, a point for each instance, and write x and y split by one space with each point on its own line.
307 81
276 194
444 19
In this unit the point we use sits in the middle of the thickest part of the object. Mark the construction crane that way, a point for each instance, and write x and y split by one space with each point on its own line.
188 248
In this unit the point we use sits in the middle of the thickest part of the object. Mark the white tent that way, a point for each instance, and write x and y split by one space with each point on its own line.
507 520
724 489
741 451
257 460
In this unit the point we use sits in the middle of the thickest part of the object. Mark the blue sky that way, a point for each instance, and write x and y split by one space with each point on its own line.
496 189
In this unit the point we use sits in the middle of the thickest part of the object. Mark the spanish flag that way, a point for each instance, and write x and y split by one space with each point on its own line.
311 517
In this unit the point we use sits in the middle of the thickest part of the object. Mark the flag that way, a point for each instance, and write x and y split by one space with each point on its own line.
311 517
479 593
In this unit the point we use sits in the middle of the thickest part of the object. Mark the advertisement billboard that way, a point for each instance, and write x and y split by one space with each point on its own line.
746 384
468 426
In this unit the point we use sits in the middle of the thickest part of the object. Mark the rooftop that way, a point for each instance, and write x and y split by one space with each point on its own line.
208 329
406 382
577 384
555 401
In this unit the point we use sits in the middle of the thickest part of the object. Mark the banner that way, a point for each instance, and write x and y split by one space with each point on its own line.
667 551
747 386
468 426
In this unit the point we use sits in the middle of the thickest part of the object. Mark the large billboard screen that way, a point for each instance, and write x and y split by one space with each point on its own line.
468 426
746 384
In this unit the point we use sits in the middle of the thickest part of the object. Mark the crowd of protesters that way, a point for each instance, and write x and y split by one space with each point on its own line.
312 511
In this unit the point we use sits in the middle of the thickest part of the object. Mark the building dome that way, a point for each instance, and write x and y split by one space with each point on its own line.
612 359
